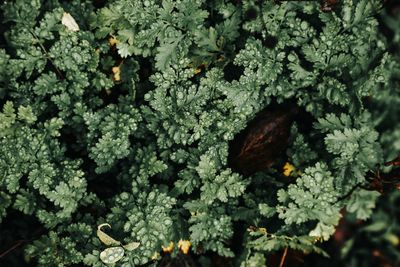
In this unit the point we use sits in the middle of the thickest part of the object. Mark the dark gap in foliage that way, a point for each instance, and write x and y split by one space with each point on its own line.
333 249
50 67
375 62
18 228
270 41
220 261
48 6
3 28
213 17
91 210
251 13
384 29
314 21
112 96
4 100
50 110
304 121
392 6
180 260
145 69
233 72
240 43
378 256
47 44
238 237
163 178
393 47
304 63
335 8
99 3
396 203
103 185
23 181
75 149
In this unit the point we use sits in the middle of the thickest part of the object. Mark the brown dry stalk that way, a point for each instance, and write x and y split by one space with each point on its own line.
17 244
283 257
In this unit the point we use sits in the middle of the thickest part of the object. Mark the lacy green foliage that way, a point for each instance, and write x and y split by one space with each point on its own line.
258 259
300 152
267 242
313 197
53 250
144 218
210 227
362 203
354 145
381 232
108 133
128 121
218 185
49 175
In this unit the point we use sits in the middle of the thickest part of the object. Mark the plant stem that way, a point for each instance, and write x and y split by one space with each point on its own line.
283 257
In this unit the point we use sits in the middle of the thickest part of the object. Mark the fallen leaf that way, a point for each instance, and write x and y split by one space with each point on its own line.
112 255
106 239
69 22
131 246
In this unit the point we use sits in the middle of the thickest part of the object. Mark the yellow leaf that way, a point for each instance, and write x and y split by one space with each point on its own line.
168 249
393 239
184 246
288 169
112 41
155 256
221 58
69 22
106 239
117 73
263 230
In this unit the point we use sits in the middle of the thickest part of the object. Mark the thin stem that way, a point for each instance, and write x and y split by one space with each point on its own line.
47 55
283 257
19 243
343 197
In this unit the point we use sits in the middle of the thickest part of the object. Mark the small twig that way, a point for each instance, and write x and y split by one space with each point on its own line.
47 55
395 162
348 193
283 257
19 243
22 241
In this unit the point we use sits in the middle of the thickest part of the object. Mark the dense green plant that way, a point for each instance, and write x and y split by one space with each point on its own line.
128 119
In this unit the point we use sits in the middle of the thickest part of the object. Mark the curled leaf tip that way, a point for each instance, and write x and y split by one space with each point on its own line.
131 246
105 238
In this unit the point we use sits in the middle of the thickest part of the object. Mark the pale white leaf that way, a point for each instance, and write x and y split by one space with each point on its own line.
131 246
69 22
112 255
